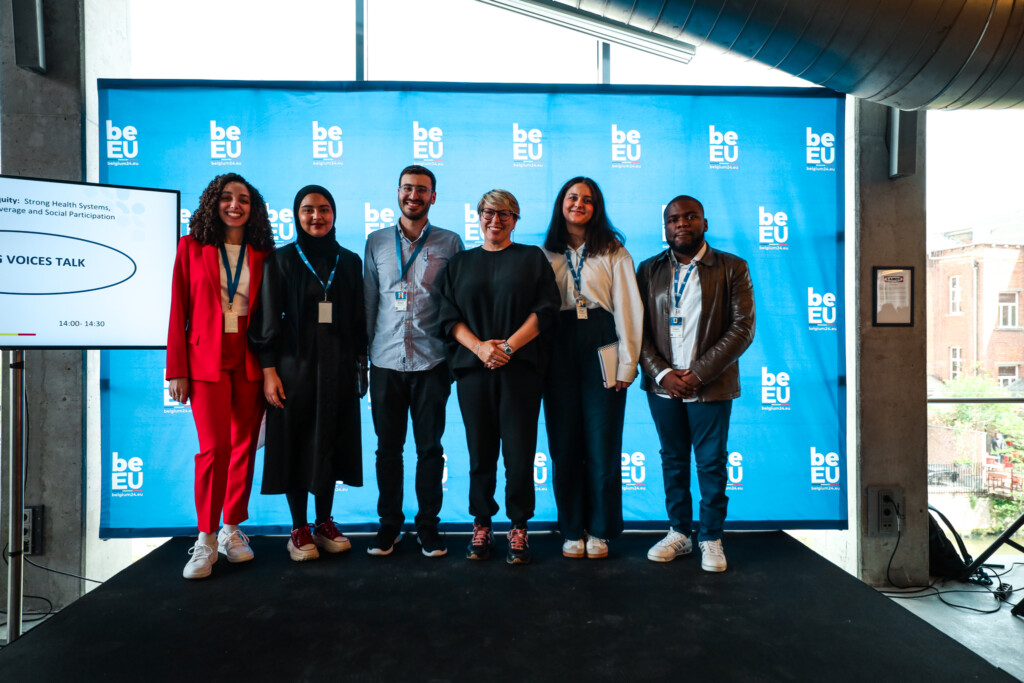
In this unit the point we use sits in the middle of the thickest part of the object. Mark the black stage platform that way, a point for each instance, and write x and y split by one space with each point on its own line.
781 613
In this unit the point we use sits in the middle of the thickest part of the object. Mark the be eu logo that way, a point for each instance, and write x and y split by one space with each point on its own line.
126 475
634 471
735 472
327 145
427 144
122 145
540 471
225 145
723 148
527 148
377 218
824 469
821 151
774 390
625 148
772 229
821 310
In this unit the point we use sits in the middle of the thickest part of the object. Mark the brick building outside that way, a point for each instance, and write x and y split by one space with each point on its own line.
975 285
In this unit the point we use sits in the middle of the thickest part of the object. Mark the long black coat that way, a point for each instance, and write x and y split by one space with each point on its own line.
315 439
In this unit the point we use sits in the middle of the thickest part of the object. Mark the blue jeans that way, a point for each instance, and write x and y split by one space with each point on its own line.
704 427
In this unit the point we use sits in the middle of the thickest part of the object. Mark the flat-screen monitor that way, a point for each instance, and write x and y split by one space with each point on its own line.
84 265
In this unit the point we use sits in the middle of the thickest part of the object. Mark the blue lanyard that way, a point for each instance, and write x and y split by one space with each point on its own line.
676 287
233 282
404 268
576 273
330 278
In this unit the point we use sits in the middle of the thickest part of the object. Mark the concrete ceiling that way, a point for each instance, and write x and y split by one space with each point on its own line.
908 54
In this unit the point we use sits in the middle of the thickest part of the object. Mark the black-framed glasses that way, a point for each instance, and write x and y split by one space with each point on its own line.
503 216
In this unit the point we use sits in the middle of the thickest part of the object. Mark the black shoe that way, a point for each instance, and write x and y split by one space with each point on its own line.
518 547
387 536
482 543
430 541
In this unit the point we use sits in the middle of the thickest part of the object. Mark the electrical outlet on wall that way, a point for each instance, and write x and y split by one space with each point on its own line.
885 507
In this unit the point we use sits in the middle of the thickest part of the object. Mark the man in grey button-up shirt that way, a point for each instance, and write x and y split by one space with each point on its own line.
408 374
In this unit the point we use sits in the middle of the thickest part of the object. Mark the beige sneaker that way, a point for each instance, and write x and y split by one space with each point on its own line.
597 548
669 548
712 557
573 549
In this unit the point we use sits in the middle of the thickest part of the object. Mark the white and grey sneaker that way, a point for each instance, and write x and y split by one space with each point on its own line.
573 549
712 557
669 548
201 563
234 545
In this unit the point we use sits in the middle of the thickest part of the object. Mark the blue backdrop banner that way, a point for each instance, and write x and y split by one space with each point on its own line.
766 163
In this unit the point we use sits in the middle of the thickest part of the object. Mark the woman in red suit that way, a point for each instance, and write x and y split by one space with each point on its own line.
216 283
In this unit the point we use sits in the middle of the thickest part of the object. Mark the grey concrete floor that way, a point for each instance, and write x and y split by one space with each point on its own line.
996 635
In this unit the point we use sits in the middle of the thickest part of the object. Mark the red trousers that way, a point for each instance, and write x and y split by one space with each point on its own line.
228 413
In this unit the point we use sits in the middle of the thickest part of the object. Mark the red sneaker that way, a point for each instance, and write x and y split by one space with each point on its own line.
301 546
327 536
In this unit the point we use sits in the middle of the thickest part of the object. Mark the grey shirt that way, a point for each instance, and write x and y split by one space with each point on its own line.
406 340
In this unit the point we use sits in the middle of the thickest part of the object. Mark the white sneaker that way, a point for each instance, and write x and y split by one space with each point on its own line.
712 556
234 545
596 547
201 563
669 548
573 549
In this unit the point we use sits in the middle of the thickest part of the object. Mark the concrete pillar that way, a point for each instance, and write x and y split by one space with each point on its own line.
41 136
888 395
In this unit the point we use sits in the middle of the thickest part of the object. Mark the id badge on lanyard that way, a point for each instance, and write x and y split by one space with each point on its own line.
402 299
675 324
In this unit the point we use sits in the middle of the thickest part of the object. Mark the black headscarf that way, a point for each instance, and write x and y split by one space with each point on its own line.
316 248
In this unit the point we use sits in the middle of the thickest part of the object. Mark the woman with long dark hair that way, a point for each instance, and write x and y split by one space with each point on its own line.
216 282
310 336
593 360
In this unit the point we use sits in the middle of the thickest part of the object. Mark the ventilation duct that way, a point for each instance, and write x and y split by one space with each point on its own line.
908 54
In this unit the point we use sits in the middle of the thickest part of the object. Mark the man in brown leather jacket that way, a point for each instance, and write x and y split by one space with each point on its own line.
698 320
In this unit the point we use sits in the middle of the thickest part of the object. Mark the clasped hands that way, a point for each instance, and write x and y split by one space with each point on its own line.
680 383
491 354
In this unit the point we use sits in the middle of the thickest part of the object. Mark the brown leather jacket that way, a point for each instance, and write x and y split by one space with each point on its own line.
726 322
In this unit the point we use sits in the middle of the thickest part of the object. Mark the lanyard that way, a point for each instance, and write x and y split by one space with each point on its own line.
676 287
330 278
233 281
404 268
578 272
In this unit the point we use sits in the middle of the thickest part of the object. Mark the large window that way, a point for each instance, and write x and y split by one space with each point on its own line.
954 294
1008 309
956 362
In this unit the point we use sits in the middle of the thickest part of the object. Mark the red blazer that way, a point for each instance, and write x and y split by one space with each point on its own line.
197 321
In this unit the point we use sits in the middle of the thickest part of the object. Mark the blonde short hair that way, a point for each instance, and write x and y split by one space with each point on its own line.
503 199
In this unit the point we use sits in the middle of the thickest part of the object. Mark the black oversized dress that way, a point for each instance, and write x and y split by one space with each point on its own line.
315 439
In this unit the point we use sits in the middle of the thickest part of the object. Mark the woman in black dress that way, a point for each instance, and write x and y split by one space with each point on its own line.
497 300
310 336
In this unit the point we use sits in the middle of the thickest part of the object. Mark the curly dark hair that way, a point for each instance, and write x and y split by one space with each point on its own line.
207 227
602 237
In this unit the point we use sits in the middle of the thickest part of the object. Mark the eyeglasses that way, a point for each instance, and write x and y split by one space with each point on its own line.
503 216
414 189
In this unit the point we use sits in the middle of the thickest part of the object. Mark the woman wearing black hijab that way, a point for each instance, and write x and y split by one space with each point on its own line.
310 335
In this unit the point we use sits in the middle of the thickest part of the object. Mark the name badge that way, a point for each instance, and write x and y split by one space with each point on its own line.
581 309
401 301
325 312
675 326
230 322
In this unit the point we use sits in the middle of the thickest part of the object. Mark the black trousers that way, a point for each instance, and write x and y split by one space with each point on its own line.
500 409
584 425
394 397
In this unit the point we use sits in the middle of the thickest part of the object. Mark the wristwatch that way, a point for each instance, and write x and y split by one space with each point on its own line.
506 348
